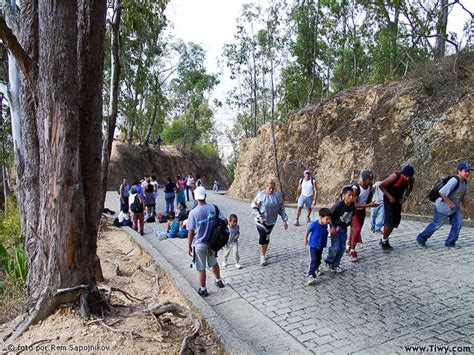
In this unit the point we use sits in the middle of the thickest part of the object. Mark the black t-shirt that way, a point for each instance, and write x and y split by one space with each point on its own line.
169 187
342 214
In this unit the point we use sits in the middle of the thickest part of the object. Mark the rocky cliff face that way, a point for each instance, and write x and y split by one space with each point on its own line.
133 162
425 120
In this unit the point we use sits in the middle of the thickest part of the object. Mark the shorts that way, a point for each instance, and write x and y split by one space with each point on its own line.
305 201
264 233
393 213
203 256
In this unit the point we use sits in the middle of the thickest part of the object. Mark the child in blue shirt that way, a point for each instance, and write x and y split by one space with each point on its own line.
317 234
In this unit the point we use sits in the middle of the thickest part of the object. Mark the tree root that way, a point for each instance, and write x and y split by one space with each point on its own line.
178 311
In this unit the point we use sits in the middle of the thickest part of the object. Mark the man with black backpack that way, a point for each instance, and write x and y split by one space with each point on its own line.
205 224
448 205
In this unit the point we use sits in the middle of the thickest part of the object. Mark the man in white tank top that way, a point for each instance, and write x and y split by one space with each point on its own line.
307 193
363 192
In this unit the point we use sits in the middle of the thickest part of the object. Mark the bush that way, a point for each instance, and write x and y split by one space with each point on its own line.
207 149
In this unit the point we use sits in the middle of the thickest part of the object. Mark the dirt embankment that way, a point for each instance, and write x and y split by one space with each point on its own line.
133 162
426 120
126 267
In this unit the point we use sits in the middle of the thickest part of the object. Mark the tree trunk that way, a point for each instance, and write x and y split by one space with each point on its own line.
111 120
153 118
67 39
440 47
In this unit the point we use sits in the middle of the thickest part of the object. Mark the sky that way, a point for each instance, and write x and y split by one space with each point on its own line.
211 23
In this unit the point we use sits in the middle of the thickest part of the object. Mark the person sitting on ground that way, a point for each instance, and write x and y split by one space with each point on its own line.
172 228
316 239
341 217
233 243
200 222
180 211
448 205
396 188
307 192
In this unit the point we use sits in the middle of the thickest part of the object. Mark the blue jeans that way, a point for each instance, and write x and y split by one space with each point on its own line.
376 217
336 250
315 260
169 202
455 219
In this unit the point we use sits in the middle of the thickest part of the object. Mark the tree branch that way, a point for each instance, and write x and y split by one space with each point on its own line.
11 42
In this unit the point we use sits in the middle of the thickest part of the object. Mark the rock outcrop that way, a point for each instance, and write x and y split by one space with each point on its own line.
425 120
133 162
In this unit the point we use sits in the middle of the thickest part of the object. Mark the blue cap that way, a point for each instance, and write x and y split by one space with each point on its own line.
464 166
408 171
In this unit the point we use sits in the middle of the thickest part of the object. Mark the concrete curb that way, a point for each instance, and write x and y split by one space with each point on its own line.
225 333
405 216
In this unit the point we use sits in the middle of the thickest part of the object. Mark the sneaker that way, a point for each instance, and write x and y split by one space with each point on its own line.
319 272
348 249
297 223
308 219
353 255
331 269
385 245
224 263
203 293
263 261
328 267
237 266
219 283
338 269
421 245
311 281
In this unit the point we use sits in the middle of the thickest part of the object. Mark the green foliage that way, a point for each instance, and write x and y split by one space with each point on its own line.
12 255
231 166
210 150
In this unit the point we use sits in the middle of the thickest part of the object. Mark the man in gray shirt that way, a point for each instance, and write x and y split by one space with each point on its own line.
448 205
200 221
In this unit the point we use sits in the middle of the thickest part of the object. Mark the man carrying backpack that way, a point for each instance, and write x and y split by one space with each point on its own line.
396 189
307 193
447 205
201 220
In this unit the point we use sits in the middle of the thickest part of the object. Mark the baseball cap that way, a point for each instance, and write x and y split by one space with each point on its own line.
408 171
307 171
366 174
200 193
464 166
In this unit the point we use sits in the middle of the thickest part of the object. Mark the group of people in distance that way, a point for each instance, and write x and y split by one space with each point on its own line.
384 197
138 201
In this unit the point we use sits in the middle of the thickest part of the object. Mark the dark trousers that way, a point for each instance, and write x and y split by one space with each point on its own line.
189 188
124 205
315 256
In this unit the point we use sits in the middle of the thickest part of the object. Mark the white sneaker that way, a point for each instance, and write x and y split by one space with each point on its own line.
319 272
263 261
339 269
311 281
224 264
237 266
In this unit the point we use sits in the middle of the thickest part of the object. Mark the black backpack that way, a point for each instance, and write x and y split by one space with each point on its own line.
219 234
434 193
136 206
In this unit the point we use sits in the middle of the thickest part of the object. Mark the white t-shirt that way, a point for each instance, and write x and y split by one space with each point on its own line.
190 181
307 187
378 194
363 195
155 185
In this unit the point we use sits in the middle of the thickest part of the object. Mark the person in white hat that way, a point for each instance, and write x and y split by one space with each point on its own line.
307 192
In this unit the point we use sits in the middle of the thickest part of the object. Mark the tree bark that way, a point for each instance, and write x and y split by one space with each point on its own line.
63 149
441 36
153 118
111 120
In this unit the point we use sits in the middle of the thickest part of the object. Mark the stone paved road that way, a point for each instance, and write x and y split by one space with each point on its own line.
381 304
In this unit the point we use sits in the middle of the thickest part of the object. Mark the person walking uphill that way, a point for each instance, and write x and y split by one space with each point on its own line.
200 222
396 188
341 216
307 193
448 205
266 207
362 198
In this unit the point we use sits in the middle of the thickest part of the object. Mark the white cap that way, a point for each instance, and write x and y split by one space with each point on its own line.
200 193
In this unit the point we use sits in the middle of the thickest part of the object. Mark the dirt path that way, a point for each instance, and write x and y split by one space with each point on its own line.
124 266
